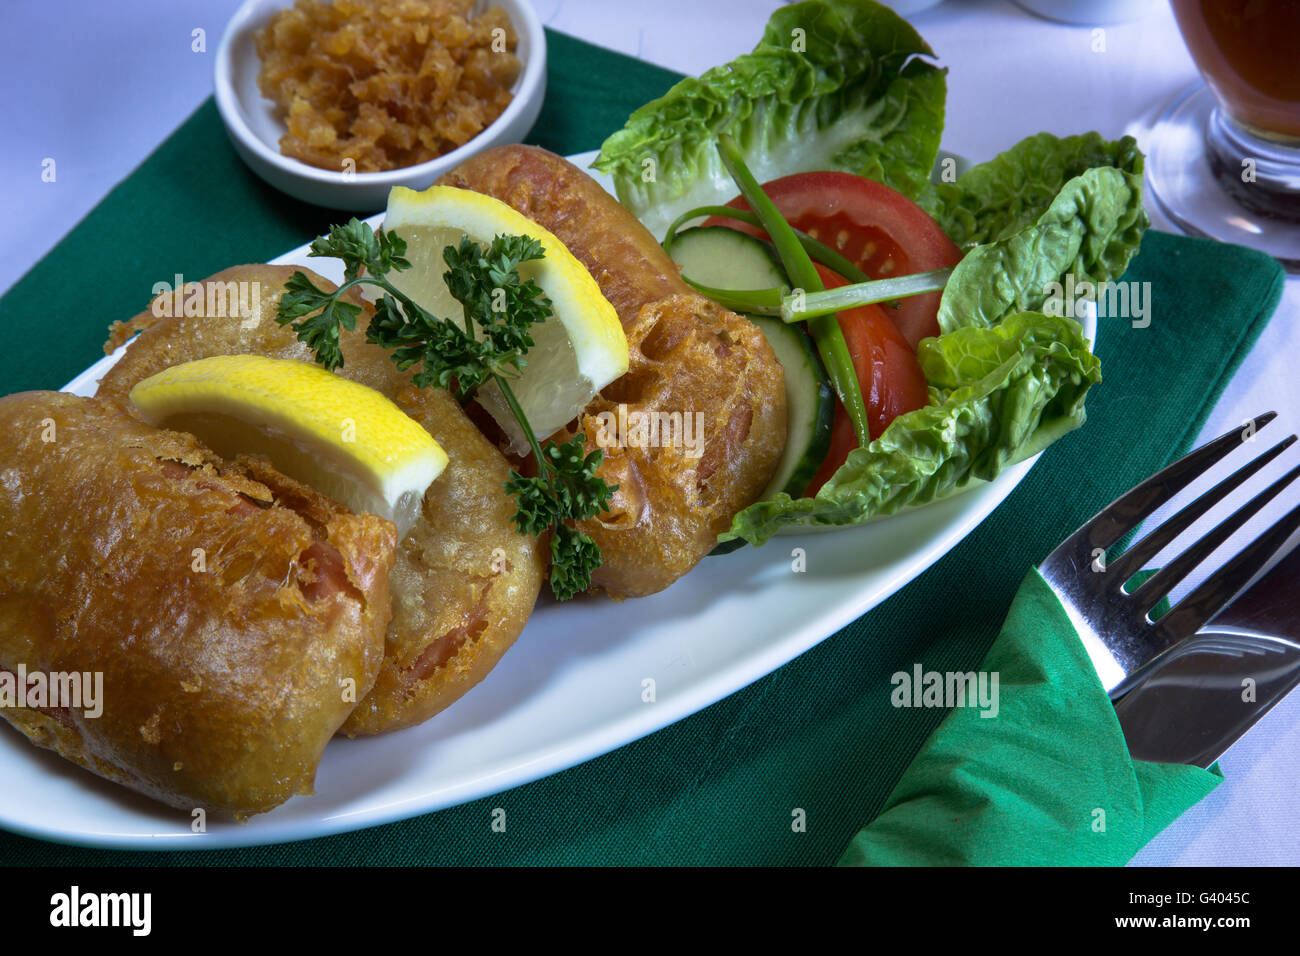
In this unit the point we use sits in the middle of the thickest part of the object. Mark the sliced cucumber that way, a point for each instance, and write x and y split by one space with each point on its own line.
810 404
726 259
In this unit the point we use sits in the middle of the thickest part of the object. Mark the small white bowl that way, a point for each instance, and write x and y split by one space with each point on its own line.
255 129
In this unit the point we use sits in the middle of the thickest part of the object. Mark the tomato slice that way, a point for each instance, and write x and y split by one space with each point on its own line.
888 374
878 229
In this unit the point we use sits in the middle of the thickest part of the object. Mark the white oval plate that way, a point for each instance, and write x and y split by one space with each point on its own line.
569 690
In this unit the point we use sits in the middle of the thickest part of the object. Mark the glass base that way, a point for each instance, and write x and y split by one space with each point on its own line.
1213 180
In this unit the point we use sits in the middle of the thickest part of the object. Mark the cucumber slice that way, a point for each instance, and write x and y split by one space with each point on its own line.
810 402
726 259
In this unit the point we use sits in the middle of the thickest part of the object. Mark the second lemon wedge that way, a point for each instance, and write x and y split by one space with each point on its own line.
577 352
345 440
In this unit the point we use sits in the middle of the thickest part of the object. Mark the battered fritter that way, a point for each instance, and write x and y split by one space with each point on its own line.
464 582
236 616
688 355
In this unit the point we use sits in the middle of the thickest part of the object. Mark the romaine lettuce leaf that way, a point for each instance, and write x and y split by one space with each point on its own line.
998 395
996 199
1044 208
833 84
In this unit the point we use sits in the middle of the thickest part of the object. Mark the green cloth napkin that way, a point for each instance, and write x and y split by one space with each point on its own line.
1040 778
818 739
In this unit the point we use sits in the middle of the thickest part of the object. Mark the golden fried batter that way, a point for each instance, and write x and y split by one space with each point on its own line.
235 615
688 356
464 582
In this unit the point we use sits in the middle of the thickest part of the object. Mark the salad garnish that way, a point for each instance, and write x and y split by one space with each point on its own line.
972 256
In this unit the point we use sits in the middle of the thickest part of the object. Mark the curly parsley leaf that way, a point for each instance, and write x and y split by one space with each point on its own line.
581 494
449 355
537 508
567 487
320 331
361 247
495 297
574 556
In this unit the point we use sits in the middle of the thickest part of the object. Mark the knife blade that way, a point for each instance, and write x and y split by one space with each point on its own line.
1218 683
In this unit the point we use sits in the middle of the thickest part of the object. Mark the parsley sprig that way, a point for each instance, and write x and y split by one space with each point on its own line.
489 344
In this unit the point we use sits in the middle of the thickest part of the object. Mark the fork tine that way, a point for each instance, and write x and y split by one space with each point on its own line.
1135 558
1129 510
1215 592
1149 593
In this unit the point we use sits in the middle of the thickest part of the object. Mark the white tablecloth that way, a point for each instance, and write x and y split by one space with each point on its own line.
99 96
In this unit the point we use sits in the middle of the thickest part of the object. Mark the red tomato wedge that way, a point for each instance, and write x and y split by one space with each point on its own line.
880 230
888 374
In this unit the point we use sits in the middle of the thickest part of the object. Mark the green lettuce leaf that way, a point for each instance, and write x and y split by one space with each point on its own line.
833 84
1046 208
998 198
998 395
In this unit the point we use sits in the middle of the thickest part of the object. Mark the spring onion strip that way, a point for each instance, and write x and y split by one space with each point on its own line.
799 267
795 308
750 301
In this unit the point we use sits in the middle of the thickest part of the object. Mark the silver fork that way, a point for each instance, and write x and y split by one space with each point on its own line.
1122 641
1211 688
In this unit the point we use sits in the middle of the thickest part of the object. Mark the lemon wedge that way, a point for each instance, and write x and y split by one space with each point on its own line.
577 351
345 440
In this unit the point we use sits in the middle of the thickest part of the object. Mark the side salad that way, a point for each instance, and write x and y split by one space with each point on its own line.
907 312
